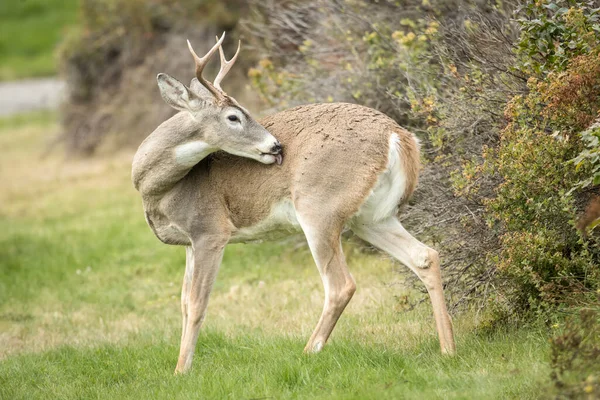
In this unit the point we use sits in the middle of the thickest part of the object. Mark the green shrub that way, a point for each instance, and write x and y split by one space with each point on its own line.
578 94
590 156
543 257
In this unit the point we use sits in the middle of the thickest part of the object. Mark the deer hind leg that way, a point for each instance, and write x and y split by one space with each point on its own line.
325 246
206 259
390 236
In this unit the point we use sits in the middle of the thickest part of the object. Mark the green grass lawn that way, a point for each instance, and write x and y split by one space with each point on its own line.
29 33
89 306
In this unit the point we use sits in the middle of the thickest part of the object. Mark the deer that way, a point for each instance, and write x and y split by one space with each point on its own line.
212 175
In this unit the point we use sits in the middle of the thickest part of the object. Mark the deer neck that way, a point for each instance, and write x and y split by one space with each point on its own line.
168 154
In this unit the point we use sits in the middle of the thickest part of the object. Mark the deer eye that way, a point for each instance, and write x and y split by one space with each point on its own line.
233 118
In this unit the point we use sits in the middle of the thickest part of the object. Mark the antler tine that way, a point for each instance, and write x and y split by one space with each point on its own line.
225 65
201 63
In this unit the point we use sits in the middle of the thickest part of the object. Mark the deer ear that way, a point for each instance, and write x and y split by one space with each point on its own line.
176 94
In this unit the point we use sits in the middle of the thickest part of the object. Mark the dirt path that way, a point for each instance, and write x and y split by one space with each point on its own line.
30 95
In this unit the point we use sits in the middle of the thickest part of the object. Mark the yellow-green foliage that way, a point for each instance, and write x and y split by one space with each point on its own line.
590 156
379 63
273 86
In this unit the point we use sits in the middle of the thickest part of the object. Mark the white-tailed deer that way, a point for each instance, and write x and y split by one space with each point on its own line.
344 166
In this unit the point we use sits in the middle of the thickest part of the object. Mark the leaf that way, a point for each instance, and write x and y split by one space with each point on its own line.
594 224
560 51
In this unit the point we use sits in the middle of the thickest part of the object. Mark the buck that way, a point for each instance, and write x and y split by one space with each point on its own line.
212 175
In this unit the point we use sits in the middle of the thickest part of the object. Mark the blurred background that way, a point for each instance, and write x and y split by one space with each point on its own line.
502 94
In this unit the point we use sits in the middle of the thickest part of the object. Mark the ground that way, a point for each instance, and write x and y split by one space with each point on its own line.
30 95
89 305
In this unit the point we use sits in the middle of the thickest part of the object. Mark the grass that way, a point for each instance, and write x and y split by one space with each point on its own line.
29 33
89 306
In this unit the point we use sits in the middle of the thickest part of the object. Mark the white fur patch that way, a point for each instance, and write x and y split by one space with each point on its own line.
267 144
318 347
281 219
190 154
389 189
189 267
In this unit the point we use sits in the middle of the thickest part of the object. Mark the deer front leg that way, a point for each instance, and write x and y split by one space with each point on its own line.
206 257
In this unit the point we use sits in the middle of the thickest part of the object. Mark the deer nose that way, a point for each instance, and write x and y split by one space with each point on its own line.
276 149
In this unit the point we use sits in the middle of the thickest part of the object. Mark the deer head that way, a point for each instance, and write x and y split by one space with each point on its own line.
218 121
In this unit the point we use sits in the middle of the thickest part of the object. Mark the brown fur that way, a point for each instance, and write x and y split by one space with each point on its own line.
591 214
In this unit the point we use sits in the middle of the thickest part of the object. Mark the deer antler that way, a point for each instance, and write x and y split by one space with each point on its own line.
225 65
201 63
